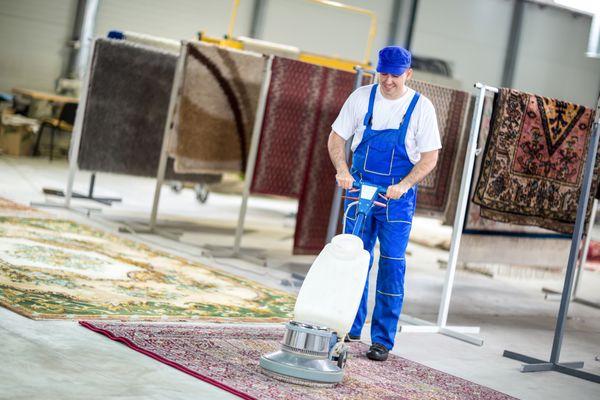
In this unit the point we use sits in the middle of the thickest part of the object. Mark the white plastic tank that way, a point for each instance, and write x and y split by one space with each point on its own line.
333 287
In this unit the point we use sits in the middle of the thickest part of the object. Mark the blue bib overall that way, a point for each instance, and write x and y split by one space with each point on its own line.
381 159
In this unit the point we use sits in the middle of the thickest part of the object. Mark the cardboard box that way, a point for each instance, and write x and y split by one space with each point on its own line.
17 140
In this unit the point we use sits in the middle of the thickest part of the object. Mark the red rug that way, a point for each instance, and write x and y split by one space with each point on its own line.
289 127
303 102
534 159
319 180
228 357
594 252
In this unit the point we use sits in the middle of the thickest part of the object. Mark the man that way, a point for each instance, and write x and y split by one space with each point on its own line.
396 143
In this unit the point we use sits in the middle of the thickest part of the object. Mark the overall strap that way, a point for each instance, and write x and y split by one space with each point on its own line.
369 115
409 111
406 119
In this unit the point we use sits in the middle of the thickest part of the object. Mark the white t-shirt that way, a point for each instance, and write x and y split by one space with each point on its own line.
423 134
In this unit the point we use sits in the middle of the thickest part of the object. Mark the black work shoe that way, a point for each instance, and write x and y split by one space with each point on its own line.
351 338
377 352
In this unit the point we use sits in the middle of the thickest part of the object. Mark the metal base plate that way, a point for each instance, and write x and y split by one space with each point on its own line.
302 368
296 381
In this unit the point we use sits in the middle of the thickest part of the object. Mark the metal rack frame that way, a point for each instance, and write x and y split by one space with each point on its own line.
552 294
532 364
236 250
162 164
75 144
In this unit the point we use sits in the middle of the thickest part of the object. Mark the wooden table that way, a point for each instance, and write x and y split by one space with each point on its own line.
44 96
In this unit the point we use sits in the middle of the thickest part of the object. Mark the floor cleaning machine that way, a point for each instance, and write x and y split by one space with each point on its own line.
313 351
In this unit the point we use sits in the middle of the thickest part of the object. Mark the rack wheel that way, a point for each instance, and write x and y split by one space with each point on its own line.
176 187
202 192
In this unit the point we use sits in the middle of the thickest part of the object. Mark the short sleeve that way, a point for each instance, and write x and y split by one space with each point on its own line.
345 124
428 133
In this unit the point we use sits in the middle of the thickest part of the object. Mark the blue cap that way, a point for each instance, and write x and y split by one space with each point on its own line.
393 60
116 35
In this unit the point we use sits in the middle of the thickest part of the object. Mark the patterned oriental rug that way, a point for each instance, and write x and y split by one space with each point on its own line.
474 223
452 110
436 193
290 124
52 268
126 111
228 357
318 187
534 159
216 109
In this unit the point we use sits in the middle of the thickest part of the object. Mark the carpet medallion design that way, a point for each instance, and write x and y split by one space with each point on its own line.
228 357
474 223
53 268
534 159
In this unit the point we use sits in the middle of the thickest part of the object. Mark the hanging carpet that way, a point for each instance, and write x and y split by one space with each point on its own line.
216 109
319 181
534 159
452 111
474 223
434 196
126 111
289 127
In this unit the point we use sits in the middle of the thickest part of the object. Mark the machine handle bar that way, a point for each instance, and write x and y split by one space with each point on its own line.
377 203
380 189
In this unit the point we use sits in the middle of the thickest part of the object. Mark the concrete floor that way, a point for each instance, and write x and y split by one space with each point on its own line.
60 360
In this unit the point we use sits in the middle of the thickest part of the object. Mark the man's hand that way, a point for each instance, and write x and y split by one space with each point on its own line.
344 179
425 165
396 191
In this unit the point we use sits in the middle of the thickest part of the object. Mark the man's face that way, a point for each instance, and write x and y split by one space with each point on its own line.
392 86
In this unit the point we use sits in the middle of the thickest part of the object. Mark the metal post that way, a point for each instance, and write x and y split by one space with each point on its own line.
76 135
395 16
256 133
162 164
593 48
586 247
257 19
571 368
463 196
514 39
579 224
85 39
411 24
551 294
92 184
337 196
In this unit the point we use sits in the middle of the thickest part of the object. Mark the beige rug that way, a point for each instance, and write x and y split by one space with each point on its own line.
54 268
216 109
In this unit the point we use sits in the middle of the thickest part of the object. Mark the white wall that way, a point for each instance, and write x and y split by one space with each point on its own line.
33 37
551 59
175 19
472 35
325 30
